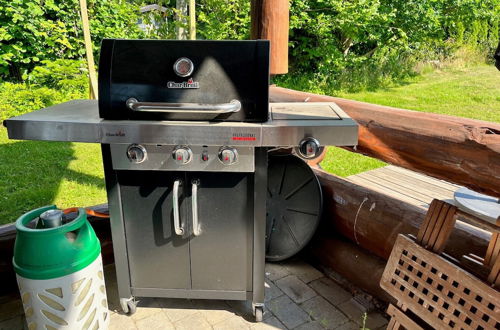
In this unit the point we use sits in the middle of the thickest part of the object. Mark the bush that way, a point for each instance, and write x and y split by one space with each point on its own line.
32 31
49 84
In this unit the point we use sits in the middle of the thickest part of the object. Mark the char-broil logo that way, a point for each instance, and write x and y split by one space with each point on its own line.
244 137
185 84
117 133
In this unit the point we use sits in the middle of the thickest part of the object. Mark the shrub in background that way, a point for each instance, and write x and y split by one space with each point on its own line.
48 84
32 31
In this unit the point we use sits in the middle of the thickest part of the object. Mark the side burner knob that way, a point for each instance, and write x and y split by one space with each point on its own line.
228 155
309 148
136 153
182 155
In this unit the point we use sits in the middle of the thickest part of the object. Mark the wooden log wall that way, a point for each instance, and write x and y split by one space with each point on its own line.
458 150
373 220
270 21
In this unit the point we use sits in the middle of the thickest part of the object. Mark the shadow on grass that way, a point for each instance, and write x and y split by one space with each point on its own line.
31 173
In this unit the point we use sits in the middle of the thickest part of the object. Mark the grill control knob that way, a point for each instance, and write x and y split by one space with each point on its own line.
182 155
228 155
136 153
309 148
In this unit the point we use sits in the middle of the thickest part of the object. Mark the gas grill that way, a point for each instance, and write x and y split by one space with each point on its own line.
185 129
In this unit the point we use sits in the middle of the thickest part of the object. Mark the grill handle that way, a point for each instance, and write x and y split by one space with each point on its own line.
202 108
194 203
175 193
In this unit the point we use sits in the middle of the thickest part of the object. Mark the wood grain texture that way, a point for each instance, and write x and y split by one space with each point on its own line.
373 219
270 21
460 150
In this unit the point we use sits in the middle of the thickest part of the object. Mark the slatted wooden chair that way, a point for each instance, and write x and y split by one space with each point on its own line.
434 291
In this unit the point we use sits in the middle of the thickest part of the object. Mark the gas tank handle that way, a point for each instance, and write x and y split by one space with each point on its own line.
202 108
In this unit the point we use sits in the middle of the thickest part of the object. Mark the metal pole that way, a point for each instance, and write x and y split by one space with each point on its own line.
192 20
88 50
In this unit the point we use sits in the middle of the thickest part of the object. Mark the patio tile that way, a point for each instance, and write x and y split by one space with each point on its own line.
349 326
314 325
244 309
324 312
13 323
304 271
295 289
269 324
194 321
271 291
235 322
275 271
12 308
146 307
288 312
214 311
155 321
330 290
177 309
356 311
121 322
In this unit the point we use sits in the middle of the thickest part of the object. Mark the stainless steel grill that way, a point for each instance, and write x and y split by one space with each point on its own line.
185 127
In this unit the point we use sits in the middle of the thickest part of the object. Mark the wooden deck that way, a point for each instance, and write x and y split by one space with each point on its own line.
405 185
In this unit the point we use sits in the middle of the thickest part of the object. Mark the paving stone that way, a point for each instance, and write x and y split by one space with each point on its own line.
244 309
349 326
302 270
121 322
356 311
269 324
275 271
330 290
177 309
288 312
314 325
295 289
324 312
235 322
13 323
194 321
156 321
271 291
214 311
146 307
10 309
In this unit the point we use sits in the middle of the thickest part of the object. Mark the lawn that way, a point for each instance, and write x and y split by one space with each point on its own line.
472 92
33 174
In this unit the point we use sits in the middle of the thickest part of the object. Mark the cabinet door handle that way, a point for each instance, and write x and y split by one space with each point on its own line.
175 193
194 203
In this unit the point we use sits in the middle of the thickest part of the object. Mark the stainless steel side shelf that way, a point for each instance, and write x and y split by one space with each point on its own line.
289 123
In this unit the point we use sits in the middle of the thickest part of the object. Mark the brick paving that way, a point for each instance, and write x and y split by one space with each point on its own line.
298 296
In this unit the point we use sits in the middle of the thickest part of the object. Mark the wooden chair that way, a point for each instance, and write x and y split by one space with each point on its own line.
440 293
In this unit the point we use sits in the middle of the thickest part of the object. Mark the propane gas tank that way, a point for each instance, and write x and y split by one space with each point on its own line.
59 271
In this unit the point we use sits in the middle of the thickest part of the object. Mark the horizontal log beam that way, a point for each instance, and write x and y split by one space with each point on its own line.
361 268
459 150
373 220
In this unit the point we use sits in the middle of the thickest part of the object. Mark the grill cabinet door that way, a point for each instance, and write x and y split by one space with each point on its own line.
221 256
158 258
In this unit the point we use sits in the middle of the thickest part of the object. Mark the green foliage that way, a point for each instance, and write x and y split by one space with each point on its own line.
373 42
223 19
49 84
35 30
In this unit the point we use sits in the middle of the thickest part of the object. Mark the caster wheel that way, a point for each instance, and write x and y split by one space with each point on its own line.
132 307
259 313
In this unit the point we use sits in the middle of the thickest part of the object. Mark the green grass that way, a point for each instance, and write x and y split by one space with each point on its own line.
472 92
34 174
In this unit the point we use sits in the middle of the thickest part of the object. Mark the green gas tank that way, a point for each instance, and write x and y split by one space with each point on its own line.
59 271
